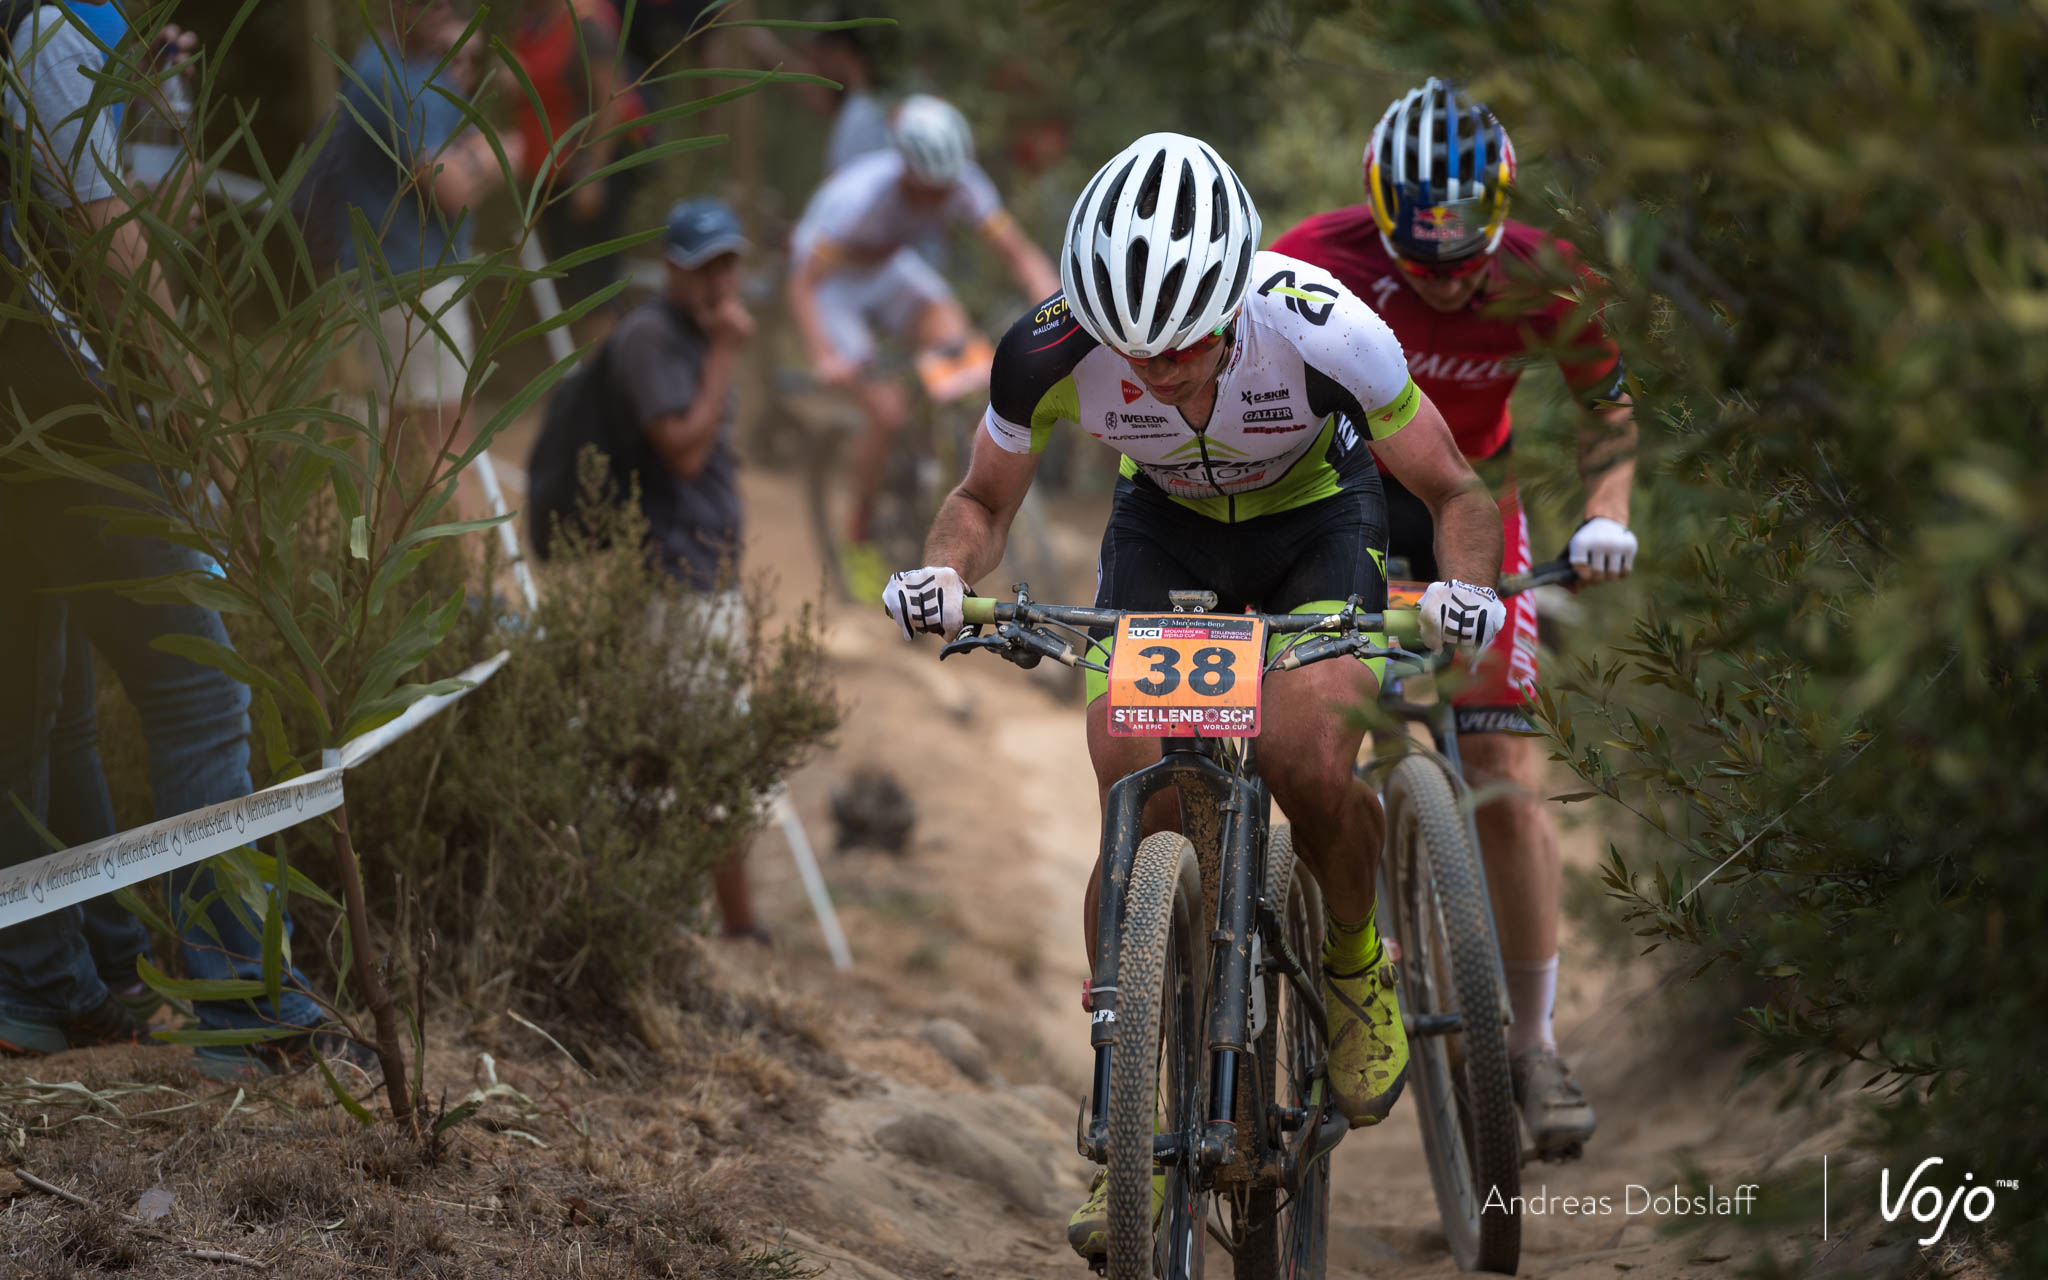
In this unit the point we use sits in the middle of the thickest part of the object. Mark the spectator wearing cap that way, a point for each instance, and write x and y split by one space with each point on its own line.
656 401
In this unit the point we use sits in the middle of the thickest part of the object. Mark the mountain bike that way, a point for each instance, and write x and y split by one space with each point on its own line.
1207 1017
1454 1001
927 458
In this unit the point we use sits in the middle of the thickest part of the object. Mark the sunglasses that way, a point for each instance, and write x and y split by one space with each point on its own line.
1193 351
1472 264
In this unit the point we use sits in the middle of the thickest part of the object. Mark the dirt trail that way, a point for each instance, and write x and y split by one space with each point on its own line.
957 1158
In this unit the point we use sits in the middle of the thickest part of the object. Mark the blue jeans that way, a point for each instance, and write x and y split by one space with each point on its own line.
195 720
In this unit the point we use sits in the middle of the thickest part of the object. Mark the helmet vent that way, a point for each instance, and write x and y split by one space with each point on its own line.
1184 203
1169 289
1219 215
1206 289
1105 294
1111 197
1135 261
1148 187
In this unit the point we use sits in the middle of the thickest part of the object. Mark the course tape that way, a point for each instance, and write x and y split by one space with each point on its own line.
90 870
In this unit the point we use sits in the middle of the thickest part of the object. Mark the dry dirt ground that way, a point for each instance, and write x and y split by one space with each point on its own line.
912 1118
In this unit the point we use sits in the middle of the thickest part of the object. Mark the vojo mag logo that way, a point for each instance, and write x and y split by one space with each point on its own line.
1927 1203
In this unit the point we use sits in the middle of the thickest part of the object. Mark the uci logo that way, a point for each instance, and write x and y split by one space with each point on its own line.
1927 1205
1145 633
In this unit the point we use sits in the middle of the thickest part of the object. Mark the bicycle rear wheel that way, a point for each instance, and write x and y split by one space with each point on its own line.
1286 1233
1450 965
1158 1069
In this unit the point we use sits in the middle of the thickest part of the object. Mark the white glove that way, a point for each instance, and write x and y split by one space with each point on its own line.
1602 549
1461 614
926 599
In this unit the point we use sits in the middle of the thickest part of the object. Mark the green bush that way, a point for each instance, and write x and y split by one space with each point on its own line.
555 827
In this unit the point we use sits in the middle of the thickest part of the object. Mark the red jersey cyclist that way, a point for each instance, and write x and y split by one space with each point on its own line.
1459 282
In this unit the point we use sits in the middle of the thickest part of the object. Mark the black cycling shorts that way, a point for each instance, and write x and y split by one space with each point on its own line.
1325 552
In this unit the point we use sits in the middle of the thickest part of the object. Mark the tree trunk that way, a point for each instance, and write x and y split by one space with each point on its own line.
369 975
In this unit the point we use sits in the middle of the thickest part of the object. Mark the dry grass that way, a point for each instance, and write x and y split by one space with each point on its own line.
647 1167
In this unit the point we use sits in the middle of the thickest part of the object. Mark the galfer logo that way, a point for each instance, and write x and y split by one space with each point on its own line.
1927 1204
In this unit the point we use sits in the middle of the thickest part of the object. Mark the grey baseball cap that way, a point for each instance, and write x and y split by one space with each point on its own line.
701 229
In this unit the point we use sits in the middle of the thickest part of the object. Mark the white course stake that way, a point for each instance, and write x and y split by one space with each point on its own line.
814 881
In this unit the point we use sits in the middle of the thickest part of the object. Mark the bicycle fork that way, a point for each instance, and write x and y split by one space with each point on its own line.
1242 805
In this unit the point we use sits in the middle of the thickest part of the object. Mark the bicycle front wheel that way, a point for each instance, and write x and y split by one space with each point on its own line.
1450 966
1285 1231
1158 1069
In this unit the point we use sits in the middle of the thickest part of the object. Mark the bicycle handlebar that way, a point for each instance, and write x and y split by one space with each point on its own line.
986 610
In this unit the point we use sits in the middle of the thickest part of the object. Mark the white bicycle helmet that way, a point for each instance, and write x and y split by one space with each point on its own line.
1159 247
934 139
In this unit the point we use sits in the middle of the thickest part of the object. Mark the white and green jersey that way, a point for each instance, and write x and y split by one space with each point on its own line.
1311 365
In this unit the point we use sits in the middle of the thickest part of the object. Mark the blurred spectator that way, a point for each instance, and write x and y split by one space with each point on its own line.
570 50
656 400
68 978
420 214
860 124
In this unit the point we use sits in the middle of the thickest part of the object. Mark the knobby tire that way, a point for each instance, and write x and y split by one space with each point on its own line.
1451 963
1160 980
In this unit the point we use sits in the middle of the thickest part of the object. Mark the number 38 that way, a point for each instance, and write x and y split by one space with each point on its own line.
1213 675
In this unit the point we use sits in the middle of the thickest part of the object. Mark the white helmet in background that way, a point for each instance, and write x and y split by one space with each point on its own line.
934 139
1159 247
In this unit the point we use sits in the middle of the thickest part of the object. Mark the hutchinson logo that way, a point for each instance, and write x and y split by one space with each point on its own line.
1132 391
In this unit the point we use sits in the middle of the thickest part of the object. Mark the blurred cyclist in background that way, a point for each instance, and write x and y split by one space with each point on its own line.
1464 288
853 266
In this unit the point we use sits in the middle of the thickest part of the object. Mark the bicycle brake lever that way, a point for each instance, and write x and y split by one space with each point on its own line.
967 643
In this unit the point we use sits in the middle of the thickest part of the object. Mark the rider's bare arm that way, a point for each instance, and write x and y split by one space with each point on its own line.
802 292
1424 457
973 525
1607 459
1026 262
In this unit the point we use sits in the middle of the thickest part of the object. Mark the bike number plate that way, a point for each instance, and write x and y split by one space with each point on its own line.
1186 675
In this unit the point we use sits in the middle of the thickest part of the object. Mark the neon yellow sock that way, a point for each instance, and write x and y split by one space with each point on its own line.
1350 948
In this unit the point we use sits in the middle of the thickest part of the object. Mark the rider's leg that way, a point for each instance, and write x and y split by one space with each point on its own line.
886 406
1524 875
1305 754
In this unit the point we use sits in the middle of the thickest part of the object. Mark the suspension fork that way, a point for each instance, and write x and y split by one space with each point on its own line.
1122 829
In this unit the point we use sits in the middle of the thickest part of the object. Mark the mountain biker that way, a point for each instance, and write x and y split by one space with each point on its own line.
1240 387
1459 282
853 264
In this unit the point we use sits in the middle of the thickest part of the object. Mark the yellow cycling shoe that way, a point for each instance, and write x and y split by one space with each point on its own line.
1368 1045
1088 1229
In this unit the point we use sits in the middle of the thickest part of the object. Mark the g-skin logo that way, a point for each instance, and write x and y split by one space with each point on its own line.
1268 415
1132 391
1261 397
1927 1205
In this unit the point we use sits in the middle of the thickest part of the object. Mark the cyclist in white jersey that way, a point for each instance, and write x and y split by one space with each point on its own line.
1240 387
852 267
